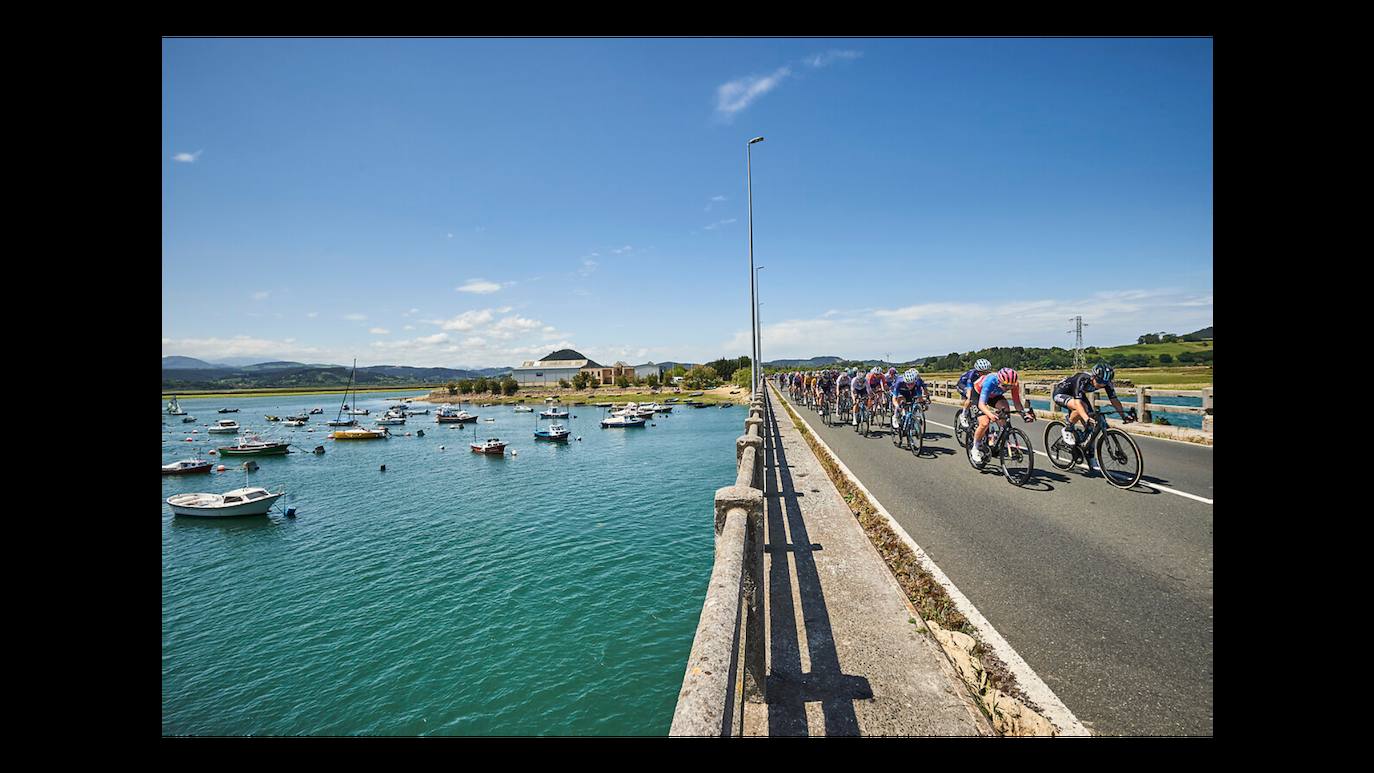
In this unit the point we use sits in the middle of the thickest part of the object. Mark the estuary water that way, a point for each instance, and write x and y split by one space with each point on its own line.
553 591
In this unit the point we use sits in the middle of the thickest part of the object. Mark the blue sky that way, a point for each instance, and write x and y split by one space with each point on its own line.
475 203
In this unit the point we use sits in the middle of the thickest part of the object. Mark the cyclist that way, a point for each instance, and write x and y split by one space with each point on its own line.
991 391
1072 395
908 386
842 393
826 388
980 368
858 392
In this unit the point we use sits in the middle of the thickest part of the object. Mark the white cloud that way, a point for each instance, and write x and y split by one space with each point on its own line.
822 60
468 320
588 266
261 295
187 158
450 236
356 317
381 331
313 314
1113 318
237 346
735 95
479 286
713 201
408 327
622 250
719 223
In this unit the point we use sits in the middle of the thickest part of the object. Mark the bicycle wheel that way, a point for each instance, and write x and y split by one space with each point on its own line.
866 422
1061 454
1018 457
917 440
960 434
898 434
1120 459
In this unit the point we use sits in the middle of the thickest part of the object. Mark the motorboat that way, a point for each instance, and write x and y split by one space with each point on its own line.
225 427
413 412
252 445
553 413
491 445
554 431
240 501
314 411
695 394
357 412
299 417
622 421
360 433
524 409
294 423
228 410
656 408
187 467
272 418
341 423
391 421
633 410
174 407
188 419
448 415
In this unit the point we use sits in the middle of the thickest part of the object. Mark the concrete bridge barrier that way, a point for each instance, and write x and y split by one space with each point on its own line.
727 664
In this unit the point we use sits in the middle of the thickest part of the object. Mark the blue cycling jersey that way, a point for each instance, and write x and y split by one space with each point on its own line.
991 389
966 380
908 390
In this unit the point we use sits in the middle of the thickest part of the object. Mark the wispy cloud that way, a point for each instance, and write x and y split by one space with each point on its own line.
380 331
261 295
313 314
622 250
187 158
588 266
479 286
827 58
356 317
733 96
720 223
713 201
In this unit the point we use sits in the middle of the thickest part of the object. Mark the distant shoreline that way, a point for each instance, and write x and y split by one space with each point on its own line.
304 392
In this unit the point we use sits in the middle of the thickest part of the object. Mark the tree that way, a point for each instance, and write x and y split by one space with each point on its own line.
621 381
593 383
678 371
563 383
481 385
1165 359
701 377
741 378
509 386
452 388
1148 338
465 386
651 379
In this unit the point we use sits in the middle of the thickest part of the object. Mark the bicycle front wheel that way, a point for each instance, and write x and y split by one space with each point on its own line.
1018 457
1120 459
961 434
917 441
1060 453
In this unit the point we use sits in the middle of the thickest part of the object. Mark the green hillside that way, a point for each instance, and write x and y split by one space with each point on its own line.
1154 350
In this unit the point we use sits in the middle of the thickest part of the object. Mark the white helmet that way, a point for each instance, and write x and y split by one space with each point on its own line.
982 365
876 370
910 376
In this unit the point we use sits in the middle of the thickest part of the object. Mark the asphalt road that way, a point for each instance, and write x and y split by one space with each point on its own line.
1106 593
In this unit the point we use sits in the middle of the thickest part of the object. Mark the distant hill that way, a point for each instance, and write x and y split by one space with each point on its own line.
297 375
280 365
1199 335
185 363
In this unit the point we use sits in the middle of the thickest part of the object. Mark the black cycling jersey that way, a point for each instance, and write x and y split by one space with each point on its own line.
1079 385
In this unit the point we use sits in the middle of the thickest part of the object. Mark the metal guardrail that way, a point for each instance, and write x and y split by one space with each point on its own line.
726 666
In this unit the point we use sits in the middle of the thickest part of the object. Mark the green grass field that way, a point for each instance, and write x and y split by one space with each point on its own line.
1154 350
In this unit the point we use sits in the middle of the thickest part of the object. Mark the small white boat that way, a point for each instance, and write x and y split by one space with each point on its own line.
225 427
447 415
554 413
294 423
622 421
524 409
314 411
356 412
413 412
240 501
391 421
186 467
655 407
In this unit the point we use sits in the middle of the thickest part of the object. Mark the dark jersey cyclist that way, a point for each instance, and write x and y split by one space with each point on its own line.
1072 395
966 384
907 387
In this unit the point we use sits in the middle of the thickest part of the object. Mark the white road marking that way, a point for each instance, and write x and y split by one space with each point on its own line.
1156 486
1034 687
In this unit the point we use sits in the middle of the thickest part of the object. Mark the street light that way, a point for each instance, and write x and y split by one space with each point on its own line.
753 293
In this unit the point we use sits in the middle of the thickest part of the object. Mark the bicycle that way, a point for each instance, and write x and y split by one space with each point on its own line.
912 427
1109 445
1011 446
825 410
842 406
864 411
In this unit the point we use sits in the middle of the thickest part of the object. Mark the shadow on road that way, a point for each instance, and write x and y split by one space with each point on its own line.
788 688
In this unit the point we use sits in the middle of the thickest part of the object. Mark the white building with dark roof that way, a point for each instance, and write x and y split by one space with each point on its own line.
564 364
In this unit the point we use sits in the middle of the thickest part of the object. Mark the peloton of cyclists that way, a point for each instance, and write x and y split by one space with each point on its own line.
991 390
1072 395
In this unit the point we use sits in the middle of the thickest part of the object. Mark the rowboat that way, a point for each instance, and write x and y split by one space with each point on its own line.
228 410
240 501
524 409
314 411
294 422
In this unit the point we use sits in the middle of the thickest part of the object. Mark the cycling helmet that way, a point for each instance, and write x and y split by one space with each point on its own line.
891 372
910 376
876 371
1103 372
850 372
1008 376
982 365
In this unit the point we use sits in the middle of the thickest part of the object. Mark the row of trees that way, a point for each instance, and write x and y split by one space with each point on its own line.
482 385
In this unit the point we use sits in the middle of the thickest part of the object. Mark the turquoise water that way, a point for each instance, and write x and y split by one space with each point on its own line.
551 592
1099 399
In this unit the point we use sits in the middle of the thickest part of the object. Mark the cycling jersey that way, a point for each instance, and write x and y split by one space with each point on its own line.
966 380
908 390
858 385
990 390
875 382
1079 385
842 381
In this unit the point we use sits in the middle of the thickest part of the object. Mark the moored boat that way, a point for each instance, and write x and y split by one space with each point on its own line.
391 421
314 411
554 431
225 427
174 407
447 415
252 445
622 421
294 422
491 445
228 410
359 433
240 501
524 409
188 419
187 467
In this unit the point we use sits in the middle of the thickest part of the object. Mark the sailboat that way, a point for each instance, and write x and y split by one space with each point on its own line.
174 408
353 432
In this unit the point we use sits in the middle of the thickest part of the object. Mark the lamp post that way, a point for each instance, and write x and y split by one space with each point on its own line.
753 293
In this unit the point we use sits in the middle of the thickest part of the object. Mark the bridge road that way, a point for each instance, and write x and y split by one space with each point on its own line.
1107 594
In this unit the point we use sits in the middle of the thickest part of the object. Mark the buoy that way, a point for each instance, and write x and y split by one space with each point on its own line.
290 512
579 440
383 468
419 433
213 452
219 468
441 448
188 440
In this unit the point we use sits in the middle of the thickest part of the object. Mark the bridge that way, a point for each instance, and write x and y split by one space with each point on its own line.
1098 600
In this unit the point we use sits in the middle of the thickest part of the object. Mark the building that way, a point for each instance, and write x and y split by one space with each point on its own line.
649 369
564 364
